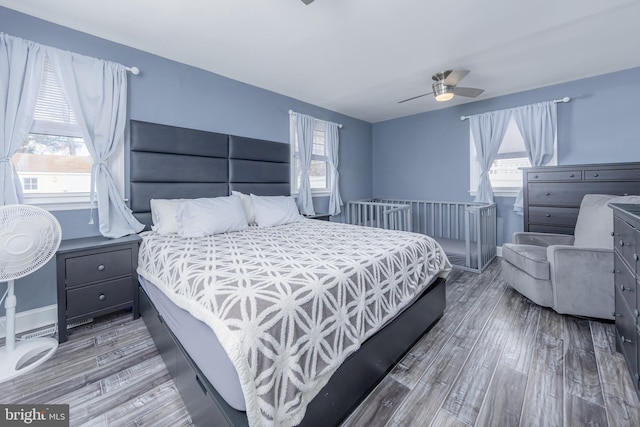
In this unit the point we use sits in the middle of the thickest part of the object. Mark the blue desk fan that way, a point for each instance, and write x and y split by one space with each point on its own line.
29 237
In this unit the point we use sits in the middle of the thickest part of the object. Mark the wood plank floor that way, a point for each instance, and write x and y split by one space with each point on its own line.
495 359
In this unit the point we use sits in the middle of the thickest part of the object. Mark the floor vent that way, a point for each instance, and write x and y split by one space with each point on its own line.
79 323
48 331
40 333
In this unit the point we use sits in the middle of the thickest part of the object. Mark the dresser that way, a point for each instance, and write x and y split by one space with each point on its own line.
552 194
95 276
626 238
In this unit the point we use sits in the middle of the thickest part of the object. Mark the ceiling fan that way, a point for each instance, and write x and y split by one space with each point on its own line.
445 86
307 1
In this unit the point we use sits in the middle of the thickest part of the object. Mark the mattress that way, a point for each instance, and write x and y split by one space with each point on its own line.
201 343
289 304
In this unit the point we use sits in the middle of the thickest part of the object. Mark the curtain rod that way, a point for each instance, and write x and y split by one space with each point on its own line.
556 101
134 70
339 124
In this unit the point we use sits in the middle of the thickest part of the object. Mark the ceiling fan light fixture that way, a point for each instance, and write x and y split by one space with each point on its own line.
442 92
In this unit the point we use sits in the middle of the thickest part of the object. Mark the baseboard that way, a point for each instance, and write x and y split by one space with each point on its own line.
30 320
499 251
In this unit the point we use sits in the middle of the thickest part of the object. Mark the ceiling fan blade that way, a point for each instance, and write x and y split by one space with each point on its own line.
307 1
454 77
470 92
415 97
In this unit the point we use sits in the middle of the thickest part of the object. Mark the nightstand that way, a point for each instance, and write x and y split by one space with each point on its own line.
96 276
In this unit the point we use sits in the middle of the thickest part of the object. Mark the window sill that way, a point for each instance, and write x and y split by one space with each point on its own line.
500 193
59 202
326 193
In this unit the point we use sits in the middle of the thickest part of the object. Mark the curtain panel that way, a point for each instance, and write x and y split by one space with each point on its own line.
332 142
304 133
488 131
537 124
97 93
21 65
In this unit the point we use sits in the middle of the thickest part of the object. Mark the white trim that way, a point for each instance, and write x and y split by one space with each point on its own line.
32 319
499 251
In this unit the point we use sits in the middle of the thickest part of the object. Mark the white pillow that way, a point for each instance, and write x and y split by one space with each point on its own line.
163 214
275 210
204 217
247 204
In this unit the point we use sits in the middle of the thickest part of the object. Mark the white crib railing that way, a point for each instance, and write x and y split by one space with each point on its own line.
471 226
390 216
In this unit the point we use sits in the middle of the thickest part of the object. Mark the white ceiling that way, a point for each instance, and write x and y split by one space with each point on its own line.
360 57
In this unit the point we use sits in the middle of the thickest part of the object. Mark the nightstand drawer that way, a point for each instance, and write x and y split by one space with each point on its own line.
624 241
94 298
99 266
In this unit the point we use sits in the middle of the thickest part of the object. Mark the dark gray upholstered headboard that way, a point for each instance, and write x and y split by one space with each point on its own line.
169 162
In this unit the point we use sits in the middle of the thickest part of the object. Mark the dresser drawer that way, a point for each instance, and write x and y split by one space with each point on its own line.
103 296
625 242
626 335
625 283
545 228
550 215
612 174
98 266
557 194
575 175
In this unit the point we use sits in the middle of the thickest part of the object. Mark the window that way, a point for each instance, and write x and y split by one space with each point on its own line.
54 163
319 175
505 173
30 184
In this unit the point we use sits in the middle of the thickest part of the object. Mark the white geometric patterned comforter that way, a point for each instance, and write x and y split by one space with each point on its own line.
290 303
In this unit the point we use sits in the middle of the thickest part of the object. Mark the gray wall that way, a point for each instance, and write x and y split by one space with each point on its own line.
176 94
426 156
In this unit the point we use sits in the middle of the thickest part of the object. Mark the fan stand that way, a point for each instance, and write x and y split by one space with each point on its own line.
14 355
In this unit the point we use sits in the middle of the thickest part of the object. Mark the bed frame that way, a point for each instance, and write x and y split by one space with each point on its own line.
171 162
466 231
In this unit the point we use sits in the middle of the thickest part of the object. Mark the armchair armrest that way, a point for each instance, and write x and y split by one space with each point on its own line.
582 280
541 239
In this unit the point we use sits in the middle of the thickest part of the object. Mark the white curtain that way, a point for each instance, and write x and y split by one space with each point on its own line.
537 124
488 131
304 132
97 93
332 142
21 64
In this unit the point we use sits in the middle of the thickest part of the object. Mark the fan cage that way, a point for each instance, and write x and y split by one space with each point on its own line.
26 222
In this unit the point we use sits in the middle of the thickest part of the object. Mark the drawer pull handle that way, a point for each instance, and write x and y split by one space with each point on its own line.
101 267
548 215
102 297
624 288
595 175
535 176
571 176
636 312
625 339
621 243
613 234
616 314
635 257
548 194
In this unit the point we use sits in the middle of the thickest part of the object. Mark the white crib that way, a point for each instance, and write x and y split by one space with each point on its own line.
466 231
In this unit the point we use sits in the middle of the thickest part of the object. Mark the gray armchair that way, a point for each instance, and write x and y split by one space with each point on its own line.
572 275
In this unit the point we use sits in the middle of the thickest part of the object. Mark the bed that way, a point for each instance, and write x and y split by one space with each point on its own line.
466 230
205 164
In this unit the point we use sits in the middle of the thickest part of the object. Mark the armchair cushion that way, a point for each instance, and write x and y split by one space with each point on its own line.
529 258
595 222
541 239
